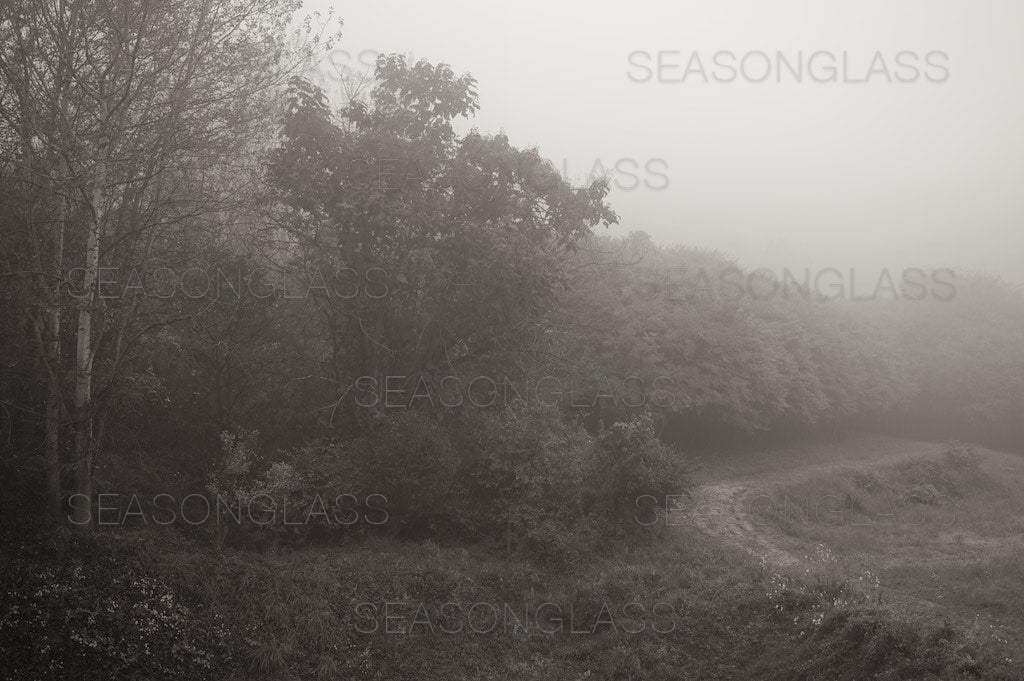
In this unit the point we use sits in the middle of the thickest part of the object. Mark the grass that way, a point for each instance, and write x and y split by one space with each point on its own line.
242 614
927 501
294 615
940 533
768 462
992 585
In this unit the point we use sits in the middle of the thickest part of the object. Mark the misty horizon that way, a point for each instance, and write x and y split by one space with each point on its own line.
825 173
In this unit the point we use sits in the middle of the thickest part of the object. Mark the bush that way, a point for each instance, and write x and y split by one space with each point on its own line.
961 456
404 464
632 463
521 477
523 470
953 473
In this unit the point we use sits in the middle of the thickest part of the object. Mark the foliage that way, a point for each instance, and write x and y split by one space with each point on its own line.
102 615
632 463
521 478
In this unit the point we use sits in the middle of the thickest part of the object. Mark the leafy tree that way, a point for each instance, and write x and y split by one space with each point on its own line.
119 111
455 241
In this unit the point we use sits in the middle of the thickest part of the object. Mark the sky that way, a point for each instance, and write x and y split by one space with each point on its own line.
911 156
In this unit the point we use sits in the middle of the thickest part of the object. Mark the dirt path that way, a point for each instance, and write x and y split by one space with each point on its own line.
727 509
721 508
721 511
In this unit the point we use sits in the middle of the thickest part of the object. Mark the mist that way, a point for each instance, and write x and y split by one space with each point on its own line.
886 173
542 341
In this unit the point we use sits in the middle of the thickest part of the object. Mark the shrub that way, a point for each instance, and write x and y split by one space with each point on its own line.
522 477
513 476
523 471
405 464
631 463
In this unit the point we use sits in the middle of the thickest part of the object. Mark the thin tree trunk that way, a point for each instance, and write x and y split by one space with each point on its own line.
53 350
84 444
83 369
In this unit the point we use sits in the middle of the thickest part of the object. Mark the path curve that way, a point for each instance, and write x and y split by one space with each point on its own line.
720 510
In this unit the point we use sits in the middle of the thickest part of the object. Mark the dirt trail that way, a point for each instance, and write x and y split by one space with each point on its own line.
726 507
723 508
721 511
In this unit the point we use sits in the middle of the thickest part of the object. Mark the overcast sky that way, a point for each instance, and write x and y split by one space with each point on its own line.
794 174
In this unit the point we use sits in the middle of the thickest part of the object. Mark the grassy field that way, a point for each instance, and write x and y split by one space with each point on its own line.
782 461
678 603
940 534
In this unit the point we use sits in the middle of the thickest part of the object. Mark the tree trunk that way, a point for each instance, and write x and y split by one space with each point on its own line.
53 351
83 367
84 444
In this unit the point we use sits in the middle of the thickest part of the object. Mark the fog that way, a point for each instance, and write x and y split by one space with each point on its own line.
535 341
917 167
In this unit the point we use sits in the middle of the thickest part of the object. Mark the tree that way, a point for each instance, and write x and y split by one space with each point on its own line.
458 241
120 110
